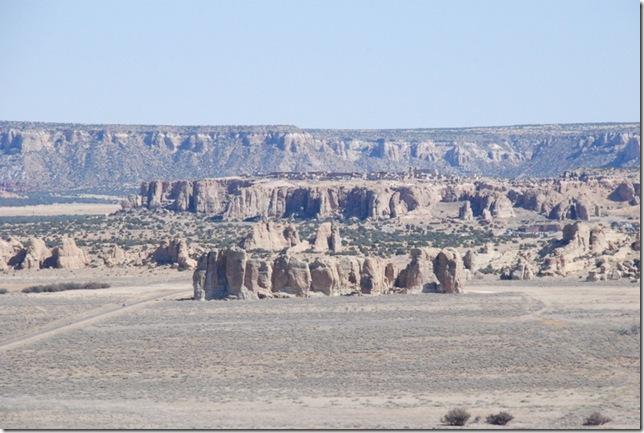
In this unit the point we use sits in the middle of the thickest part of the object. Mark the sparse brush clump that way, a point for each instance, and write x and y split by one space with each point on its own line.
629 330
501 418
457 417
61 287
3 291
596 418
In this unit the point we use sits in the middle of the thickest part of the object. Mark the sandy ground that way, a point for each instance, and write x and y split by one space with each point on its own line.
549 352
60 209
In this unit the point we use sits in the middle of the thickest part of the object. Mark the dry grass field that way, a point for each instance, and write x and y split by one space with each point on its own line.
141 355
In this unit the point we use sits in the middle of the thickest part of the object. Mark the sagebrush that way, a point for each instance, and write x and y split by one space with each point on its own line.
457 417
596 418
501 418
61 287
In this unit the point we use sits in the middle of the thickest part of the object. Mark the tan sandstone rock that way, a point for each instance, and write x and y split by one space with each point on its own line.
271 236
68 256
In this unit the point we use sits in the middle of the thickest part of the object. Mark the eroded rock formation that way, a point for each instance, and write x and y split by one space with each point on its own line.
176 252
234 273
271 236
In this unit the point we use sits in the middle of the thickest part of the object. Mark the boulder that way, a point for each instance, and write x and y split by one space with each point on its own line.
117 256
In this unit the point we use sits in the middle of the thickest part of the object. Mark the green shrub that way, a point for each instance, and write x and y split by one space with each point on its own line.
501 418
596 418
457 417
61 287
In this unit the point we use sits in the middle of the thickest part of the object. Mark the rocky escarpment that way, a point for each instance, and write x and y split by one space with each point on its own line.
234 273
574 195
242 199
63 156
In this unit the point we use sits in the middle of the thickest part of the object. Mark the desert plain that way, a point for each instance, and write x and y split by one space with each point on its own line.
141 354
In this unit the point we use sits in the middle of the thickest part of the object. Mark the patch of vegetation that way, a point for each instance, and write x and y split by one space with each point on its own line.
629 330
596 418
3 291
501 418
61 287
456 417
488 270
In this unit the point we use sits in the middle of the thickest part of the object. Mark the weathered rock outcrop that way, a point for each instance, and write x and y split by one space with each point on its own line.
68 256
496 203
244 199
607 269
522 269
327 238
562 257
465 212
271 236
469 261
36 254
11 253
448 267
419 274
578 208
234 274
626 191
291 275
176 252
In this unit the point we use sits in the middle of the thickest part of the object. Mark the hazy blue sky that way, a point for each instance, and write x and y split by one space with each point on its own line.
320 64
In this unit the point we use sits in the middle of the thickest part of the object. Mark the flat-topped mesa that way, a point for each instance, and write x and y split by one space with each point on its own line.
244 199
574 196
64 156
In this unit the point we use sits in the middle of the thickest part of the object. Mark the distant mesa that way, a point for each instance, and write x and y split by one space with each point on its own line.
47 156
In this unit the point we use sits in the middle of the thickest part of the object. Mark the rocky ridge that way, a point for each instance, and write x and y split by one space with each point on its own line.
235 199
65 156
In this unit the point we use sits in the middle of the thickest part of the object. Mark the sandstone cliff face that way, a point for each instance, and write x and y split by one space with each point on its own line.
35 255
235 274
271 236
55 156
574 195
68 256
242 199
449 270
327 238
